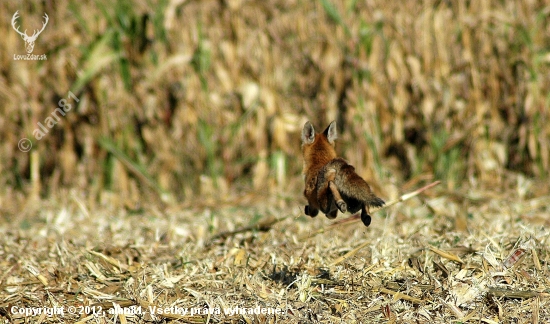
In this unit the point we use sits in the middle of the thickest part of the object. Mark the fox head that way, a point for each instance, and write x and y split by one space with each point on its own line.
318 149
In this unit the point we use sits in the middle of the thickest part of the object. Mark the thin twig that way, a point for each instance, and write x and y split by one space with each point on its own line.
262 226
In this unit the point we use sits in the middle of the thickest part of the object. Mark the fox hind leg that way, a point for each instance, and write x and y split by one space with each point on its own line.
365 217
330 177
323 193
339 201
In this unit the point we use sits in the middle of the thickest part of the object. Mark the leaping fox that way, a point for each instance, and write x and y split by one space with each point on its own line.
331 184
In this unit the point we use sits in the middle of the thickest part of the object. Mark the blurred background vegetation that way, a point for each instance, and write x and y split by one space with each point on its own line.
185 98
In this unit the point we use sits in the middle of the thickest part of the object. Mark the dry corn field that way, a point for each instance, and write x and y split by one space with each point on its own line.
150 161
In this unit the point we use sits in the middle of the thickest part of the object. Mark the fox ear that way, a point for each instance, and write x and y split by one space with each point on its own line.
331 132
308 134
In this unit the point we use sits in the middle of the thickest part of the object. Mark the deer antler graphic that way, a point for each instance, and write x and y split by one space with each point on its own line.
29 40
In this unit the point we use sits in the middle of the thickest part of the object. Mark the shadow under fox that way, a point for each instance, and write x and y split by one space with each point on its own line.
331 184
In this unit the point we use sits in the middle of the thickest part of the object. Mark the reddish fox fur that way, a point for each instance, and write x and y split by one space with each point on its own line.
331 183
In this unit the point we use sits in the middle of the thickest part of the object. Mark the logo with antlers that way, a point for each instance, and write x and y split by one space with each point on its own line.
29 40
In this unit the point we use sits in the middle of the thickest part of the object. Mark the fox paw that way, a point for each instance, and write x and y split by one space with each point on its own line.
310 211
365 218
342 206
332 214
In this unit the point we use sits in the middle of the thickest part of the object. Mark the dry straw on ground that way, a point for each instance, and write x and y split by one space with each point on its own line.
174 181
411 265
